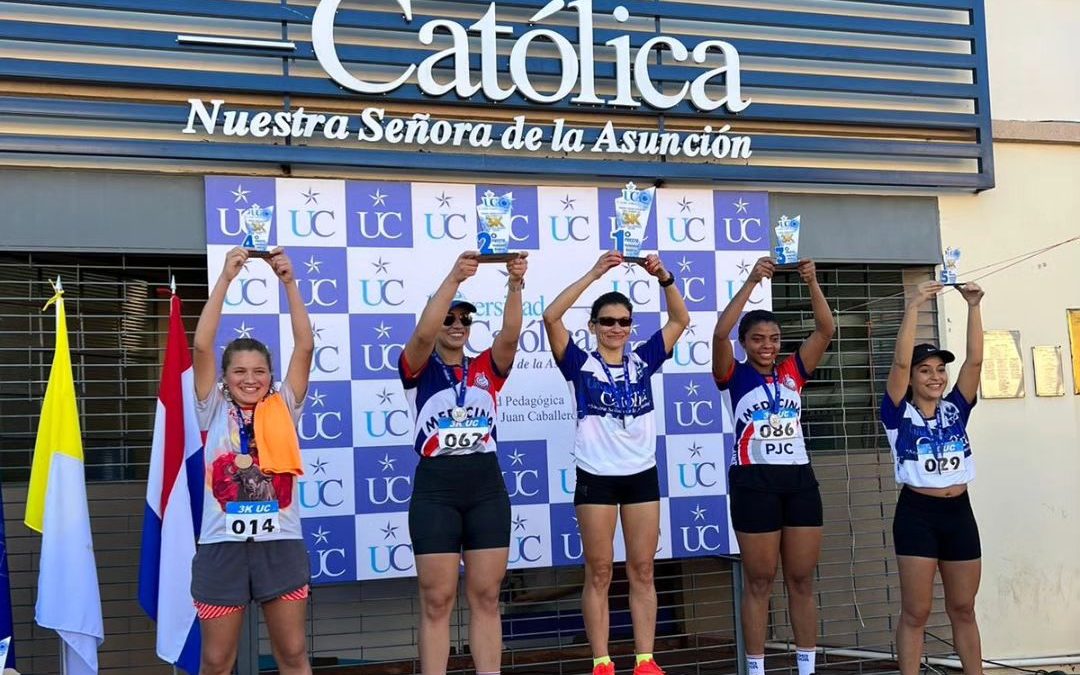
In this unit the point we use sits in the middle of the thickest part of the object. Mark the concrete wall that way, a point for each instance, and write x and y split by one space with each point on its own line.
1027 491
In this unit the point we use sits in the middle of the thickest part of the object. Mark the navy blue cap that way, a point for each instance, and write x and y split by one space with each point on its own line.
463 304
926 350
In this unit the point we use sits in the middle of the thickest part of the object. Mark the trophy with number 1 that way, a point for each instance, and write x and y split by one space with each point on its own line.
632 209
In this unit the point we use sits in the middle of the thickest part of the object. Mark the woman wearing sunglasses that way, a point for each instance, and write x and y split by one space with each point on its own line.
459 506
775 502
615 449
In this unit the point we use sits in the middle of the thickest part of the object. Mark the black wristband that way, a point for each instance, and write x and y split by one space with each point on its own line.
667 282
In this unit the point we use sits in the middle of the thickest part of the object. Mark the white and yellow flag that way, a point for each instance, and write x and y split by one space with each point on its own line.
68 599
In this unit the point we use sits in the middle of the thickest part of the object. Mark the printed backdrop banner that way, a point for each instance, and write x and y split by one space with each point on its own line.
368 255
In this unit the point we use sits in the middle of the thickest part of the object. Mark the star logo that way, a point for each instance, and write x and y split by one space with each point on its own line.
444 201
381 265
319 466
519 522
684 205
243 330
383 331
740 206
633 329
695 450
567 203
744 267
313 265
240 194
310 197
690 330
316 332
516 458
385 397
317 399
389 532
378 199
630 268
684 265
321 535
699 513
692 389
386 463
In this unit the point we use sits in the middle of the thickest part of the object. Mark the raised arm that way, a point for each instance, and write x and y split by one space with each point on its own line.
968 380
900 373
505 346
723 356
678 314
299 370
204 359
558 336
812 349
422 342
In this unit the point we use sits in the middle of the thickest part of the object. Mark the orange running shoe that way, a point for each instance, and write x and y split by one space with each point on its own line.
604 669
648 668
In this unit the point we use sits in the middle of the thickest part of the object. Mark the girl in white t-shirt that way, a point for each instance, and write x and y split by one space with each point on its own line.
615 449
934 527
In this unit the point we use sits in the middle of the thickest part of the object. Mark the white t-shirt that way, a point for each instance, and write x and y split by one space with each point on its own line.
225 482
930 453
604 444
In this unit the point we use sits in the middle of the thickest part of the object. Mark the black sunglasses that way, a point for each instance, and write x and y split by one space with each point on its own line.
609 321
466 321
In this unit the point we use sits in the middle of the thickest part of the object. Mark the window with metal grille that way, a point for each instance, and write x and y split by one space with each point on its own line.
117 319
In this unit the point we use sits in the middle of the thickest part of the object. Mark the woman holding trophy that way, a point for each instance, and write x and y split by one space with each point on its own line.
615 448
460 509
775 503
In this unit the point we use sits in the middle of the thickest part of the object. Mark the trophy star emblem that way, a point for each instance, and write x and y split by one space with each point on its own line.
631 218
493 222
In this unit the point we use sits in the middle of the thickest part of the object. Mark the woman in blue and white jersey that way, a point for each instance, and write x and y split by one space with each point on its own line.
934 527
615 448
775 501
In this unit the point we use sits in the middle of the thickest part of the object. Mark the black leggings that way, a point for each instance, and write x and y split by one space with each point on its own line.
459 502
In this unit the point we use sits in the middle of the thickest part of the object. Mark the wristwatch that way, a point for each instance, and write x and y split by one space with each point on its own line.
667 282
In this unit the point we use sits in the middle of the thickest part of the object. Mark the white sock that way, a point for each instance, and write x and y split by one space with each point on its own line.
807 659
755 665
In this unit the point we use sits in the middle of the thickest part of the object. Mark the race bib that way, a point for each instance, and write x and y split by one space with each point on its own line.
783 426
949 460
465 434
251 520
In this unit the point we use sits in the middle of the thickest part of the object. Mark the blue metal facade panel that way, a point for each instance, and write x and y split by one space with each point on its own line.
948 135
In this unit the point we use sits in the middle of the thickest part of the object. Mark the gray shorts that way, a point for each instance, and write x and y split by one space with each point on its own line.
236 572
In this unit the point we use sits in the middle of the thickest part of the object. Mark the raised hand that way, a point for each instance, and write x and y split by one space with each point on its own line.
972 292
465 266
654 266
517 267
925 291
808 271
234 262
606 261
281 265
763 269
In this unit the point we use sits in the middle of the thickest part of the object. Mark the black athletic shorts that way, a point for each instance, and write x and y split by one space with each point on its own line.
943 528
768 498
637 488
459 503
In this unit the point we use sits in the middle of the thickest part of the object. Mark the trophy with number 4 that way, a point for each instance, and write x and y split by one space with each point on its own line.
255 223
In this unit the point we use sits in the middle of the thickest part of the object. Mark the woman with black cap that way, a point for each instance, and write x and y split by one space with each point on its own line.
934 527
459 506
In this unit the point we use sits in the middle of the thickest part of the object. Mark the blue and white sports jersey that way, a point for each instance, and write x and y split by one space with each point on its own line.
604 444
756 440
930 453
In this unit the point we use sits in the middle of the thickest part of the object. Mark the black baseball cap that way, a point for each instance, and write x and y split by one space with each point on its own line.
926 350
464 305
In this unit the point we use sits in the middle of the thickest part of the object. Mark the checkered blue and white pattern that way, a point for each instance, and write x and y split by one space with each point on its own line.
368 254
